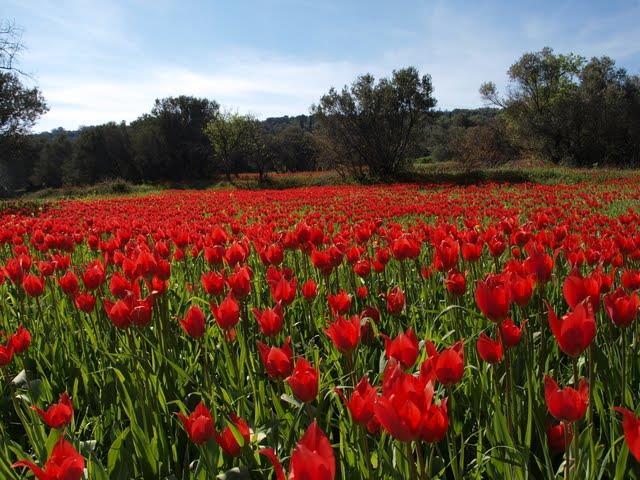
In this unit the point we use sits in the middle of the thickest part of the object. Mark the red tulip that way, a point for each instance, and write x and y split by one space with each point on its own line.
435 422
284 291
93 276
199 424
58 415
64 463
489 350
304 381
193 322
577 288
277 361
227 314
213 283
312 459
511 333
240 282
406 409
360 403
622 308
270 320
539 264
447 366
521 289
339 303
576 330
20 340
227 440
85 302
395 301
493 297
631 279
556 436
119 286
33 285
567 404
404 348
69 283
119 313
456 283
631 427
6 355
345 333
309 290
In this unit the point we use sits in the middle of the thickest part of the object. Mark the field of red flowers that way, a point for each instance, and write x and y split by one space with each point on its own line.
382 332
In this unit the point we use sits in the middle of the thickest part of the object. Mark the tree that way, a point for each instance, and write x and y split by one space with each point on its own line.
294 149
47 171
233 141
20 106
100 153
182 121
373 126
564 109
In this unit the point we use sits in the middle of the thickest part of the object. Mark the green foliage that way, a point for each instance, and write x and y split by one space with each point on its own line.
566 110
372 125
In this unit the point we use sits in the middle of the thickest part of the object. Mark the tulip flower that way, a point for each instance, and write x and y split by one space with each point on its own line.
447 366
309 290
556 438
567 404
33 285
193 322
270 320
227 314
20 340
345 333
213 283
577 329
277 361
199 424
622 308
57 415
339 303
511 333
69 283
456 283
577 288
489 350
226 438
360 404
631 427
6 354
304 381
64 463
85 302
493 297
240 282
312 459
404 348
395 301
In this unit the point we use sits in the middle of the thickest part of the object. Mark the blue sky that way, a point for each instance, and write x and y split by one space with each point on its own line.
97 62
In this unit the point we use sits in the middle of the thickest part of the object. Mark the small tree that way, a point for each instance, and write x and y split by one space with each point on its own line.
235 142
373 125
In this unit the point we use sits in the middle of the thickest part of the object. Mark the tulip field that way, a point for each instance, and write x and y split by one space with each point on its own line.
334 332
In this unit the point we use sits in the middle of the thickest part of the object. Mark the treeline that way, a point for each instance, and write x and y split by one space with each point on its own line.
167 144
558 108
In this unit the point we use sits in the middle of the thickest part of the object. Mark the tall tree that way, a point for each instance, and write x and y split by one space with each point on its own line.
564 109
182 121
20 106
233 140
374 124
